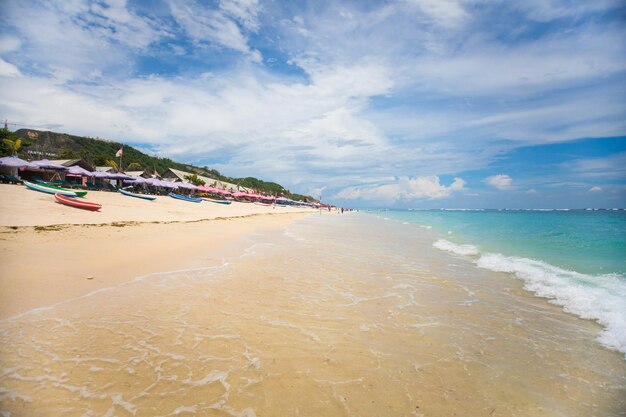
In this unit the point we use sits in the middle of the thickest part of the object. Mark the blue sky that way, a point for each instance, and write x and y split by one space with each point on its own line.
415 103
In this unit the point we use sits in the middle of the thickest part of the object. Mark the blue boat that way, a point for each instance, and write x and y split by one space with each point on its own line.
143 196
185 198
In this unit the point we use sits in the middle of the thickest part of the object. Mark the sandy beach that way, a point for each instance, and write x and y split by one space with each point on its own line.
307 315
51 253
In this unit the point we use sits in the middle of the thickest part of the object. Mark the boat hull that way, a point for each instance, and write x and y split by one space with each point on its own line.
185 198
72 202
49 190
142 196
210 200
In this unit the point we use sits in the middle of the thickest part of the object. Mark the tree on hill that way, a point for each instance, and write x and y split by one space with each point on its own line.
195 180
111 163
11 143
67 153
98 151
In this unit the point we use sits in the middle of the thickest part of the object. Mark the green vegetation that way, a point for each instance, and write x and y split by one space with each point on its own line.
195 180
10 143
99 152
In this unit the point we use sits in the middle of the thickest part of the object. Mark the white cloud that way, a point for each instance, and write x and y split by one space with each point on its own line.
9 43
547 10
8 70
70 39
244 11
608 167
446 13
405 188
218 26
371 92
595 189
500 181
531 191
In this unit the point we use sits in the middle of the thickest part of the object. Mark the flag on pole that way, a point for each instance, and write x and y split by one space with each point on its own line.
120 153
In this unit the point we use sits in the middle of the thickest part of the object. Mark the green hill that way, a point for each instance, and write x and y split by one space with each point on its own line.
43 144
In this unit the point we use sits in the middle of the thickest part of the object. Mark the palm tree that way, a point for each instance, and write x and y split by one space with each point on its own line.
13 145
113 164
133 166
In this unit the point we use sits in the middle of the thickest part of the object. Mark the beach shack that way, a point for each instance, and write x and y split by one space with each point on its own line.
143 174
75 162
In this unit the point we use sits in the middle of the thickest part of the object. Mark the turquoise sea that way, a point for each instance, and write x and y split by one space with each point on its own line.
576 258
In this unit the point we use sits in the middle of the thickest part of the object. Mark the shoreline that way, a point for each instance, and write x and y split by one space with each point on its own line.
45 262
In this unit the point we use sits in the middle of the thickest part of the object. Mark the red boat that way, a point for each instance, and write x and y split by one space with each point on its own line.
68 201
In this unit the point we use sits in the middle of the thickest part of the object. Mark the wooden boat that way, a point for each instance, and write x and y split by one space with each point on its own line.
81 204
211 200
185 198
50 190
143 196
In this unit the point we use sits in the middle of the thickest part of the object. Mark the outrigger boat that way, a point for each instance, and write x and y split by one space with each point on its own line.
185 198
51 189
81 204
143 196
211 200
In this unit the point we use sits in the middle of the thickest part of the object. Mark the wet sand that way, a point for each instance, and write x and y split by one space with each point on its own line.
334 316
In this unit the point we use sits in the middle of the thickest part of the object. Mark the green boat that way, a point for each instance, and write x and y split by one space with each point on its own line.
63 191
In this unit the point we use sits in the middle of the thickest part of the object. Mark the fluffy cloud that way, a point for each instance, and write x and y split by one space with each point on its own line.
347 97
595 189
500 181
405 188
222 26
8 70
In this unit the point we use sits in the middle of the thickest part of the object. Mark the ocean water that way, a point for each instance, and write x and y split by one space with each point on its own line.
337 315
576 258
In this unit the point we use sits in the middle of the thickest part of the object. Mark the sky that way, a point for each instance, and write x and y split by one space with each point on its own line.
407 104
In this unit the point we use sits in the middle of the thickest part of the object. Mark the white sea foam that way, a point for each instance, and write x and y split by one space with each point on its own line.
465 250
597 297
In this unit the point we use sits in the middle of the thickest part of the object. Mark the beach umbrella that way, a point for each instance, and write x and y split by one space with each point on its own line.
168 184
46 164
136 180
120 176
13 162
76 170
100 174
186 186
